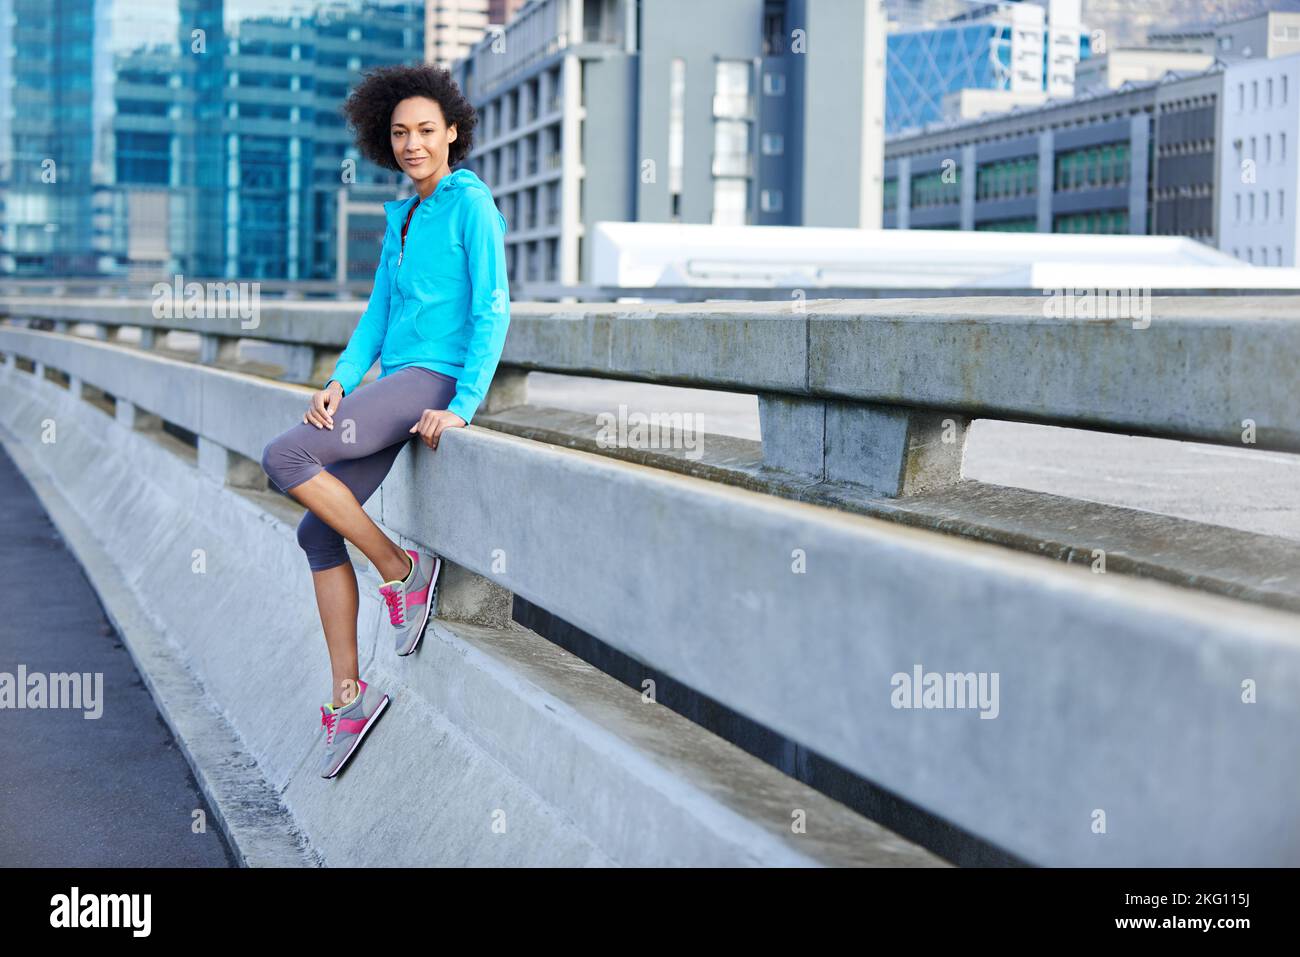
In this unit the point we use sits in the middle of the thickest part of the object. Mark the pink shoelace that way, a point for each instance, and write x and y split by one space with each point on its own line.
395 604
328 720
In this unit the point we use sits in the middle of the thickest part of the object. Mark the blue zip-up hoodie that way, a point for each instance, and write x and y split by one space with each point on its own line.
443 303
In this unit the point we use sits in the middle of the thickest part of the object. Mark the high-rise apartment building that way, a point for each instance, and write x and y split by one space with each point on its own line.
727 112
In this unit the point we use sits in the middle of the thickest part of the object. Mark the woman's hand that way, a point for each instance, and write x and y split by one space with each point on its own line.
324 404
433 422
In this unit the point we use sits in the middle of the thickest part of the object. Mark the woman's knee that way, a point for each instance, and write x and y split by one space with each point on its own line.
286 463
324 546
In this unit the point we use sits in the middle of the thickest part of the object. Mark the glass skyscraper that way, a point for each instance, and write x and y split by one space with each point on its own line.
144 138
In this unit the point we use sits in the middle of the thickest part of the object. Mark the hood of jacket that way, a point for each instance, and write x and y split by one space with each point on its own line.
449 188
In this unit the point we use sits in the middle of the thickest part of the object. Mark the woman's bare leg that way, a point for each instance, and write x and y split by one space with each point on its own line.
336 506
337 600
336 588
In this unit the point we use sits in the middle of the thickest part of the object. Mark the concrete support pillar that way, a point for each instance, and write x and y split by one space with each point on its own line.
63 326
75 386
509 389
1046 179
106 332
299 363
133 417
214 349
890 450
227 467
904 209
967 186
465 596
148 337
1139 173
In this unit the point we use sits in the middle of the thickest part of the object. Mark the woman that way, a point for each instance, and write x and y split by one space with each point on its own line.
437 321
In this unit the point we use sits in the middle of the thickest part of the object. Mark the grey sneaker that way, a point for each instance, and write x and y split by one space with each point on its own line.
346 726
411 601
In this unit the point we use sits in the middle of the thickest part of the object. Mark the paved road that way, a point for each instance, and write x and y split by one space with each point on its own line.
1238 488
108 791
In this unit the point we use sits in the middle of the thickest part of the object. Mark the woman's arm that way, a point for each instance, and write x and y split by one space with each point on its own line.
368 337
485 250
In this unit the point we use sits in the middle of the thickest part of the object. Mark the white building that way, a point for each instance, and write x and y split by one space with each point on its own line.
1115 67
451 28
1259 175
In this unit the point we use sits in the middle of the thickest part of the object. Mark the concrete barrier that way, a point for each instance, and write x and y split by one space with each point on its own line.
1133 722
879 376
501 748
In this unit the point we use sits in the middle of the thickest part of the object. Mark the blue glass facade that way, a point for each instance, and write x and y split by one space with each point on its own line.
923 66
201 137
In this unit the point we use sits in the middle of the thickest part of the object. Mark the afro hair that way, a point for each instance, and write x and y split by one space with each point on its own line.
369 109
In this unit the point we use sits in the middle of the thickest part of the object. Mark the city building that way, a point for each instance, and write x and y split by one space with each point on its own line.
208 137
1137 160
502 11
763 112
1205 154
1019 52
1117 66
451 27
1258 168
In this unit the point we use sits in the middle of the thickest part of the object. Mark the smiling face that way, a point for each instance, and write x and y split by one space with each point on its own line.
421 139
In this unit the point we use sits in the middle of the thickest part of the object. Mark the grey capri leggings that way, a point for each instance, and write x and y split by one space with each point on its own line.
371 425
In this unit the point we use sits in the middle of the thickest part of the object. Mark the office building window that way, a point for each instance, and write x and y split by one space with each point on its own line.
773 144
1108 221
1007 179
731 148
774 84
935 189
1023 224
1094 167
731 93
730 201
772 200
676 115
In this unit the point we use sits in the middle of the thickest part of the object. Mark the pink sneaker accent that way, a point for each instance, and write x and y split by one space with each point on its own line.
396 606
352 725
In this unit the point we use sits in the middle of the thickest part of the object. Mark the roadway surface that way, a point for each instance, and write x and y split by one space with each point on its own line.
75 791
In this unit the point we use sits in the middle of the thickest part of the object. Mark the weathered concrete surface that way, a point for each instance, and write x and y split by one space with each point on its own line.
1249 566
1196 368
1199 368
1117 696
490 727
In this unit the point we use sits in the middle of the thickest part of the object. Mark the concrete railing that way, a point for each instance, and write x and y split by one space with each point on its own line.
1128 721
876 393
